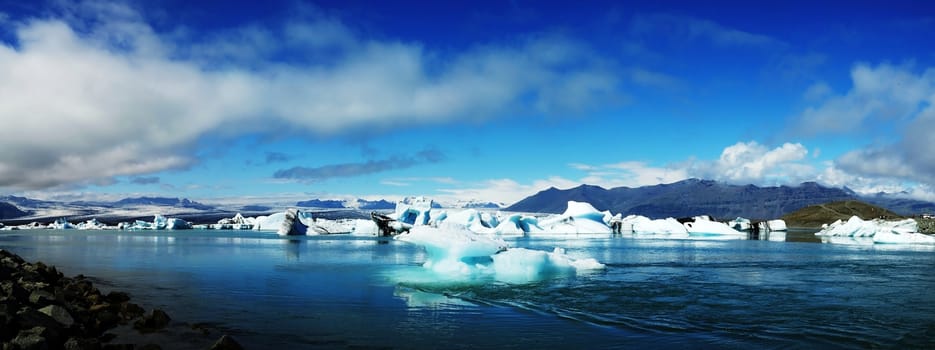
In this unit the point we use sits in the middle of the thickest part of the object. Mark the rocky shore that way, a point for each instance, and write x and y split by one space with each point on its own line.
40 308
926 225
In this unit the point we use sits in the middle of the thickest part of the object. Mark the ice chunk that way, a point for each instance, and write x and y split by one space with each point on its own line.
642 225
364 228
269 223
178 224
579 217
92 224
61 224
522 265
414 210
776 225
702 226
740 224
451 250
875 231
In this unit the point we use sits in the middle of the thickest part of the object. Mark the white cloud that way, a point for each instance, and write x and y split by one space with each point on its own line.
894 96
96 92
740 163
751 162
883 92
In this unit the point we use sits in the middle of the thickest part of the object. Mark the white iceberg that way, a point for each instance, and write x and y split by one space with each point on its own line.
875 231
61 224
414 210
91 224
451 250
455 253
704 226
579 217
523 265
641 225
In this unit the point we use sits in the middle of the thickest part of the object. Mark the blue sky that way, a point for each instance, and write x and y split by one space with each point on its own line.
243 101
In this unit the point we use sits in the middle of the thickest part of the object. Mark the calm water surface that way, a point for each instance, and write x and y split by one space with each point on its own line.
342 291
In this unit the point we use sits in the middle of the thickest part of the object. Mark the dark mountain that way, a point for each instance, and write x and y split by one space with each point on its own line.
902 206
10 211
316 203
375 205
24 202
481 205
161 201
688 198
814 216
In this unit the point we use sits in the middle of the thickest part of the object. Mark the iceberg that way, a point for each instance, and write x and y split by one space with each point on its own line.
92 224
704 226
875 231
414 210
579 217
524 265
740 224
462 253
452 250
61 224
641 225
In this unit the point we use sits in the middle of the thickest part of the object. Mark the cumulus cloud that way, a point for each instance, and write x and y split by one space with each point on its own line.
895 97
94 91
751 162
325 172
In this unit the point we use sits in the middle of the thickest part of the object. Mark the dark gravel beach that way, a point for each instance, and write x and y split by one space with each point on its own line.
40 308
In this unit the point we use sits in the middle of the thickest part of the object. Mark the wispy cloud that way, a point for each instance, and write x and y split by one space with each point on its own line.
686 28
144 180
408 181
277 157
325 172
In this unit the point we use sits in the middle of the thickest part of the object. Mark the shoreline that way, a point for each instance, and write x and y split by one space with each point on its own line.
41 308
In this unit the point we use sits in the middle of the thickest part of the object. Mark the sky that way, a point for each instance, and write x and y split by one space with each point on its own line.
277 101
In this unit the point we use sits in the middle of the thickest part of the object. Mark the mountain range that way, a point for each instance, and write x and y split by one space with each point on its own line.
696 197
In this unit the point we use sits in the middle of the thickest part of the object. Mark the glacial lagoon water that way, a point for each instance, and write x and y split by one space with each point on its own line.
361 292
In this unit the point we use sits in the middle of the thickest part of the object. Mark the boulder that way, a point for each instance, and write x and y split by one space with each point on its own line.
59 314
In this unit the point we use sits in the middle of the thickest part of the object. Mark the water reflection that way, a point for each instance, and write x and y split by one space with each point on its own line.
293 247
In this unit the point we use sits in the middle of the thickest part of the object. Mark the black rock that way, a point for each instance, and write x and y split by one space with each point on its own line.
157 320
82 344
226 342
41 298
31 339
117 297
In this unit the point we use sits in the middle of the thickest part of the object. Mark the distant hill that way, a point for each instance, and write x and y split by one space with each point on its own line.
688 198
255 208
902 206
317 203
162 201
10 211
480 205
816 215
375 205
